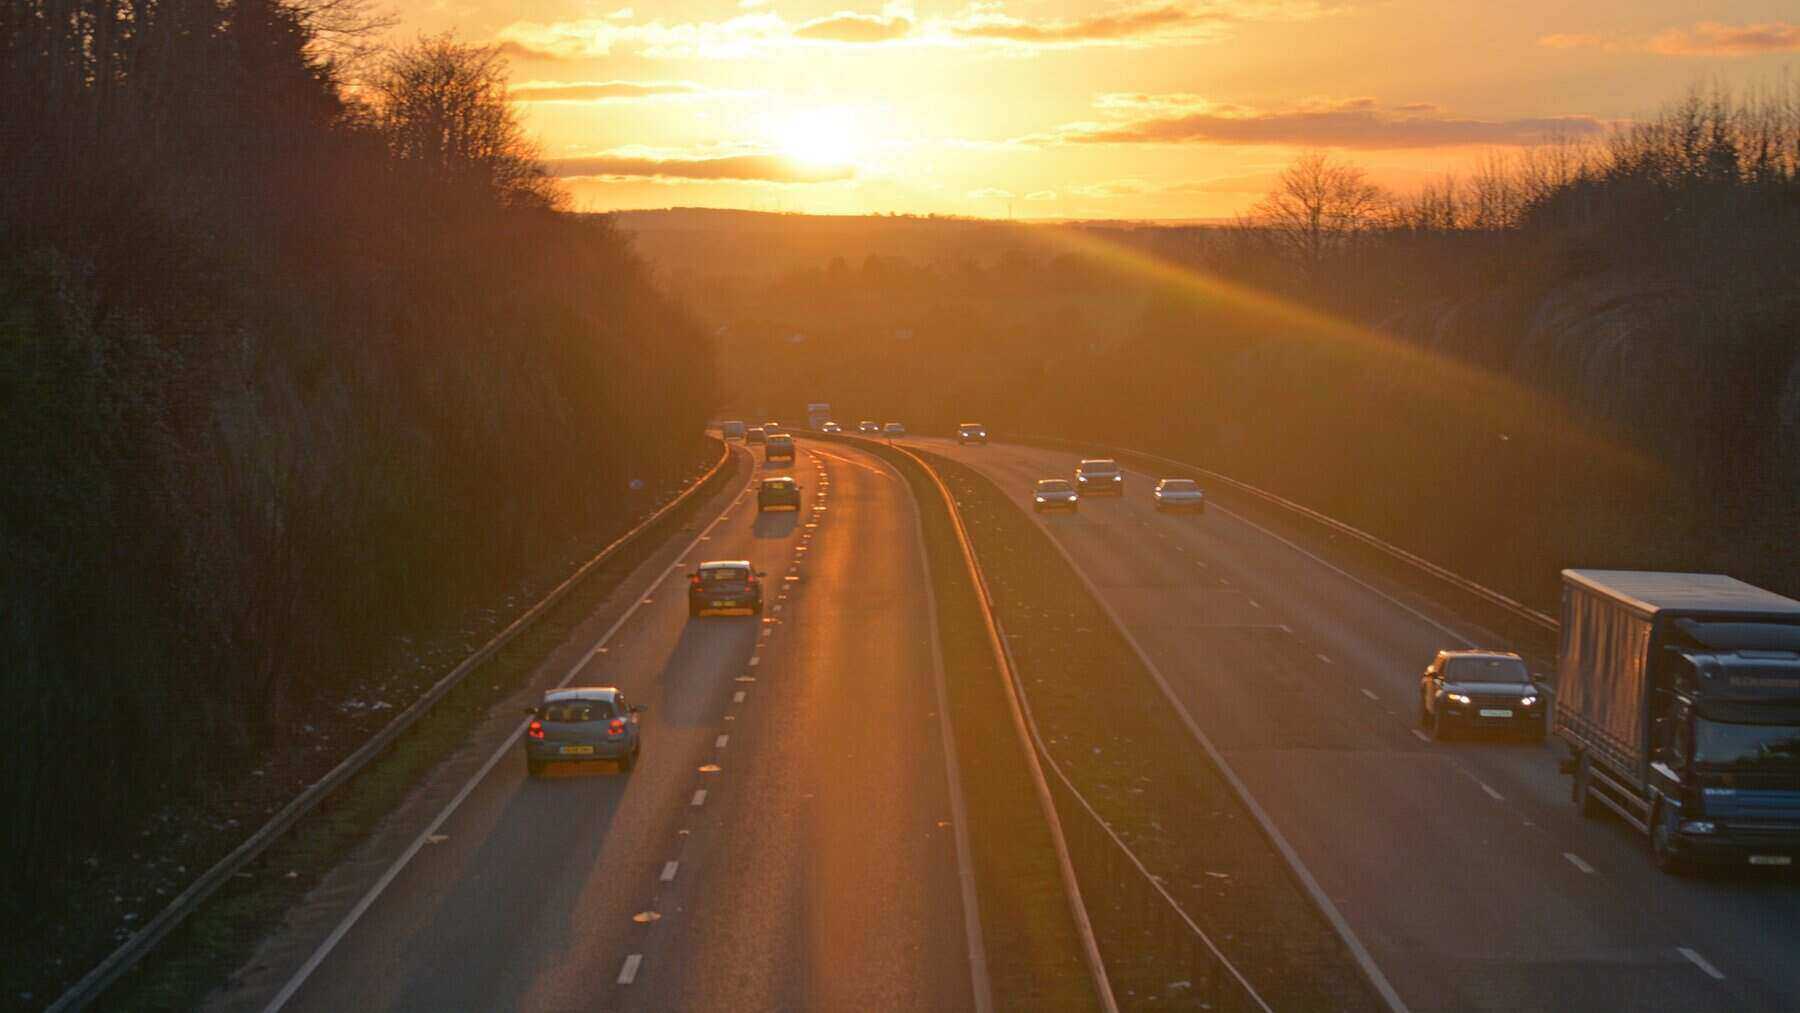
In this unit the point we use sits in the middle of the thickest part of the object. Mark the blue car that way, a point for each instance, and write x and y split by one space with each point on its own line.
584 724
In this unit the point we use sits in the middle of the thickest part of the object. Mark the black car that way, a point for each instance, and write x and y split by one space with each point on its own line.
1100 476
725 587
971 432
754 435
778 447
1470 690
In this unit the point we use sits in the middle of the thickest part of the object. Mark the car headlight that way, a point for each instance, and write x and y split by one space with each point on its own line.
1080 478
1040 499
1698 827
1530 701
1456 698
1118 478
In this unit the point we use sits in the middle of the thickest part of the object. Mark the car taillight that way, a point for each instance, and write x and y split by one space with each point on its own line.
534 730
750 579
694 580
618 726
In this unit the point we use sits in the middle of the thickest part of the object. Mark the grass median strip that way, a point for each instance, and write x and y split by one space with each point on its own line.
1033 953
1110 729
215 940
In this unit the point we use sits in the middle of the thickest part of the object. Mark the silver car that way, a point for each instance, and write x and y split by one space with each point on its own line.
582 725
1054 494
893 429
1179 494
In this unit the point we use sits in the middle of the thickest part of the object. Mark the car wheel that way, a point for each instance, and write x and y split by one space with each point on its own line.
1424 712
1440 727
1662 844
693 610
534 768
628 761
757 609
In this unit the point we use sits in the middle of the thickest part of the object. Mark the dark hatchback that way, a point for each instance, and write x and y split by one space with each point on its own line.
725 588
778 494
1474 690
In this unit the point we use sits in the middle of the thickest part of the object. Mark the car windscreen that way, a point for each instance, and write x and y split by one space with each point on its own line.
577 711
725 575
1179 485
779 485
1486 670
1053 485
1098 467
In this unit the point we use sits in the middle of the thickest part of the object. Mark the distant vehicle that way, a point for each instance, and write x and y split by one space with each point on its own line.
732 430
817 414
831 427
782 493
1679 694
1480 689
780 447
1100 476
893 429
1179 494
774 427
754 435
725 587
1054 494
582 724
971 432
866 426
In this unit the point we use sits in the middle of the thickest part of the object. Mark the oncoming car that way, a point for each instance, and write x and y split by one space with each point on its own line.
781 493
893 429
1098 476
866 426
831 427
1477 690
1054 494
1179 494
971 432
582 724
725 587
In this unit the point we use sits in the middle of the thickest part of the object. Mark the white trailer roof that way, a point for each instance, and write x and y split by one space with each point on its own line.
1652 592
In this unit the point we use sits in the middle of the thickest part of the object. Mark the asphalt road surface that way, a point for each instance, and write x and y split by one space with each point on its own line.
786 842
1462 867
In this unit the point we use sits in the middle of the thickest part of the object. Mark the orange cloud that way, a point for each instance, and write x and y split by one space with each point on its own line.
740 168
1705 38
1342 123
600 91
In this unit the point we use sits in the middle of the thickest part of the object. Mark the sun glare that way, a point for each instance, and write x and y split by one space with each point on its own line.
820 137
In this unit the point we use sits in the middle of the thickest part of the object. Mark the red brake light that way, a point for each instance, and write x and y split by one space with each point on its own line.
750 579
617 726
694 580
535 730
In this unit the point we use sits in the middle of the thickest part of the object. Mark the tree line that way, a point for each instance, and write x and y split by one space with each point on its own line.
299 352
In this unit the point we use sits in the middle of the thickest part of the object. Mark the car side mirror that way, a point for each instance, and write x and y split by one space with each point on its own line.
1539 678
762 573
638 708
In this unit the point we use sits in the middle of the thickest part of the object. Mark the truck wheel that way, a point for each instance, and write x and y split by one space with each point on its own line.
1662 846
1583 790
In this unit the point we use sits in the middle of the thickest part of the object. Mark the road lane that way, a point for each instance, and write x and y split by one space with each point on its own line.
785 841
1449 861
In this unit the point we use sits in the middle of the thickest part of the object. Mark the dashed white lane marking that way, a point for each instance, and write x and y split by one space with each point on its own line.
737 697
628 973
1577 862
699 797
668 873
1496 796
1323 658
777 608
719 743
1370 694
1421 736
755 662
1701 963
1253 603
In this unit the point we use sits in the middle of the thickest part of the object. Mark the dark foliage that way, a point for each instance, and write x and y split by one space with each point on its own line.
277 385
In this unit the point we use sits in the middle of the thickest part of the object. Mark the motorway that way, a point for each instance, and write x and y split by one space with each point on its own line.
788 840
1463 868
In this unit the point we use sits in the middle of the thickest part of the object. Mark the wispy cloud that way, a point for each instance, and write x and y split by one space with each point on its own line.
634 165
606 91
1705 38
990 193
1334 123
982 25
1041 195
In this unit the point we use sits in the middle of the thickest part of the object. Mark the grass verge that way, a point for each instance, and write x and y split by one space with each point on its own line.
1033 953
218 938
1110 729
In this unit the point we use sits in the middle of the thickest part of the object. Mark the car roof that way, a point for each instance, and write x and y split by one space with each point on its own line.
725 564
1479 653
970 425
1055 481
1098 460
581 693
779 480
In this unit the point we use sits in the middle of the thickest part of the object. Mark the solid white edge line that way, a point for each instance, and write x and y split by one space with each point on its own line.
628 973
1496 796
1371 695
1701 963
393 871
979 980
1421 736
1577 862
1370 969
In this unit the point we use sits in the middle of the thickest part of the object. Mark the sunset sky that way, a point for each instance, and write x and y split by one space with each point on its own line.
1058 108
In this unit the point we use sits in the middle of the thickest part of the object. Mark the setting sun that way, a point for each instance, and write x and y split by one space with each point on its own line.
819 137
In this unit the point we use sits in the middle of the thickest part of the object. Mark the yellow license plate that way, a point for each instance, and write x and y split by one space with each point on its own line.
578 750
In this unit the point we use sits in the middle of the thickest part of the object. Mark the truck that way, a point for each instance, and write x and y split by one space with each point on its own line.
1678 695
817 414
